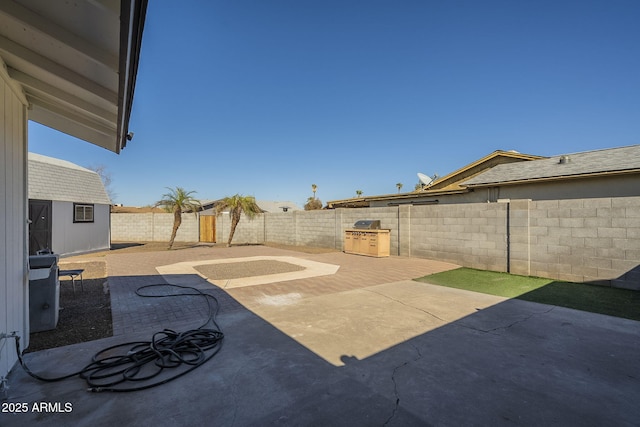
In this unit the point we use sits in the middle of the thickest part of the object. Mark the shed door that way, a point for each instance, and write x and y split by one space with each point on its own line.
39 225
208 229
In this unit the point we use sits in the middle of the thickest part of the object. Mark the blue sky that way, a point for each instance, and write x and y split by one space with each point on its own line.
266 98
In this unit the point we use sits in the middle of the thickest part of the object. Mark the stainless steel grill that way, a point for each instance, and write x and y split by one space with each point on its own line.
367 224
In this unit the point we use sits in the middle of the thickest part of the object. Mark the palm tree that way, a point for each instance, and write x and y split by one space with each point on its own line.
178 200
237 205
358 193
314 188
399 185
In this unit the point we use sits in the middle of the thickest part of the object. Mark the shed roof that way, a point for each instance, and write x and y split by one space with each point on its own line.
60 180
588 163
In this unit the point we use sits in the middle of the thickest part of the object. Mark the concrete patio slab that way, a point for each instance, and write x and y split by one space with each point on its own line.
360 323
446 357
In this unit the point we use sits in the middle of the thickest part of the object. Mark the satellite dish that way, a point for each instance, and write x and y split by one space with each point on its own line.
424 179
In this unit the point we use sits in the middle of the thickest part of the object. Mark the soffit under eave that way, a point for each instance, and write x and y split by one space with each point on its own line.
78 74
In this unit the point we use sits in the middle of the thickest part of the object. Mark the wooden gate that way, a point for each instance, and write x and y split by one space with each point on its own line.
208 229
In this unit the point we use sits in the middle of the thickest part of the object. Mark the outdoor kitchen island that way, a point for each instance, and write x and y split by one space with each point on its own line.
366 238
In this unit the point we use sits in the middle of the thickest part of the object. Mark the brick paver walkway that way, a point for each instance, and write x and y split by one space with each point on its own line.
132 314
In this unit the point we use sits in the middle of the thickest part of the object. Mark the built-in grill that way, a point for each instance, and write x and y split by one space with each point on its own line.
366 238
367 224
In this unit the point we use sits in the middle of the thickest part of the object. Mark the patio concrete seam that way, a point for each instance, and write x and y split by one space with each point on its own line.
405 304
489 331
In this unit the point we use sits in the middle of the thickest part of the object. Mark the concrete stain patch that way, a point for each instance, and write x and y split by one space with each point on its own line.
279 300
259 270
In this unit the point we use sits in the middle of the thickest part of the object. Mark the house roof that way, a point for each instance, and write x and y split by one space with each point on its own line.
275 206
265 205
76 63
588 163
452 181
59 180
446 185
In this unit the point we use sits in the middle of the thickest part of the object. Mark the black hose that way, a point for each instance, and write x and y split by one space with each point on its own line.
139 362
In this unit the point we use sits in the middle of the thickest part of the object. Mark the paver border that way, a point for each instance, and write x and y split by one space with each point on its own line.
311 269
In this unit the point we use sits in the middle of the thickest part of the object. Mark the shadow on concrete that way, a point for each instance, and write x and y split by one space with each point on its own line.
628 280
116 246
588 297
512 362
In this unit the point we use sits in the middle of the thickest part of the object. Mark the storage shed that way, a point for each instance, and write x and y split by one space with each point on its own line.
68 207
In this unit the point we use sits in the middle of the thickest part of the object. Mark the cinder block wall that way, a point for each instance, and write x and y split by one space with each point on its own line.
280 228
587 240
248 231
582 240
315 228
152 227
132 227
473 235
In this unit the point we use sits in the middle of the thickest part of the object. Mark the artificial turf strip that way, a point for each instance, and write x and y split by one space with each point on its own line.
596 299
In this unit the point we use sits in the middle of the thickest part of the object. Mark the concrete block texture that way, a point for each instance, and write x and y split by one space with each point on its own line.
152 227
579 239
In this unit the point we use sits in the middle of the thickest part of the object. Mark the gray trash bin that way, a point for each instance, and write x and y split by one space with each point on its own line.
44 292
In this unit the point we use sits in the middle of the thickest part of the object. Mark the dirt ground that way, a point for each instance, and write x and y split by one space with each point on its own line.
86 314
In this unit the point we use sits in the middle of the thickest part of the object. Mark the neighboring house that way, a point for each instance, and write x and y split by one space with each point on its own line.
208 206
68 207
75 77
611 172
447 189
273 206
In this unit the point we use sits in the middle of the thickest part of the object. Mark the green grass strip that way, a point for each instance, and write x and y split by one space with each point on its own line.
580 296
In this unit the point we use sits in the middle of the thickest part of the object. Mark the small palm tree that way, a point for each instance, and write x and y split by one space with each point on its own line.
358 193
314 188
399 186
178 200
237 205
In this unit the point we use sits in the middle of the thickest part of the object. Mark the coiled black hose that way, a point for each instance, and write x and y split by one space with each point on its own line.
145 363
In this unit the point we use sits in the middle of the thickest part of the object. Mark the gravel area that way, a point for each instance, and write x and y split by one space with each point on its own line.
236 270
84 315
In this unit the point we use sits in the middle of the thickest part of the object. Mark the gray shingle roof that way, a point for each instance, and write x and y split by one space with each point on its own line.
588 162
275 206
55 179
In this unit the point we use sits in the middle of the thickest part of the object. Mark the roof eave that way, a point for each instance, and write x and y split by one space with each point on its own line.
133 14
